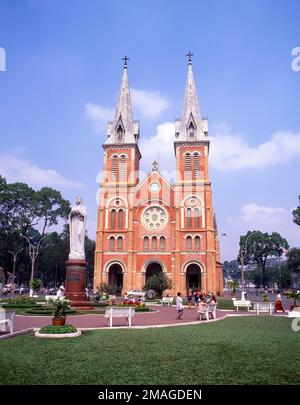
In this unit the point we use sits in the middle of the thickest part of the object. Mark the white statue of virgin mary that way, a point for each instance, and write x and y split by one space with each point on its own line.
77 224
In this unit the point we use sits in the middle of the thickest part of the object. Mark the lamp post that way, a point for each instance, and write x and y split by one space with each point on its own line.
243 252
15 254
33 253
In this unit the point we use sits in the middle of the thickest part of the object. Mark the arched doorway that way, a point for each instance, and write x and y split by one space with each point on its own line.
115 278
152 269
193 277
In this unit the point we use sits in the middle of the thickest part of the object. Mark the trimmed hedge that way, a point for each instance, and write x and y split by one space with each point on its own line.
21 306
55 329
46 311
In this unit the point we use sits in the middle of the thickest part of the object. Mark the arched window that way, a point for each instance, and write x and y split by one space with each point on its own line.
197 243
120 243
196 218
162 243
123 168
120 219
189 217
112 243
187 165
191 130
120 133
113 219
146 243
188 243
115 167
196 165
154 243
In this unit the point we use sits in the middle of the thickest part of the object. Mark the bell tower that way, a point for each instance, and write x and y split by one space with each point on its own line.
196 236
114 240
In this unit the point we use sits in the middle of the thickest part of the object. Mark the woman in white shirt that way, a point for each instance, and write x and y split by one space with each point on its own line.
179 306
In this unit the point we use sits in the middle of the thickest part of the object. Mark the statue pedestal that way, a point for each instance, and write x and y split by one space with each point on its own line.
76 284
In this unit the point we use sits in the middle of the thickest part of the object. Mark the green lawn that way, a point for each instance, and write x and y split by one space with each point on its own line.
256 350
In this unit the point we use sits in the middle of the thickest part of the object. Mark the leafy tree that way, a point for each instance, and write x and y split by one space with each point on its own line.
296 214
231 269
159 283
260 246
293 260
233 285
21 210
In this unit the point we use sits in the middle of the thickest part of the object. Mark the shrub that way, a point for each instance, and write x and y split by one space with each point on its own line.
159 283
46 311
54 329
21 302
36 284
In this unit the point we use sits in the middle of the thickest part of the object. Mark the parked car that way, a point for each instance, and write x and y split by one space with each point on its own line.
136 294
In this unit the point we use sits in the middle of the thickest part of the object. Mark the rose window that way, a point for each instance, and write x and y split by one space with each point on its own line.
154 218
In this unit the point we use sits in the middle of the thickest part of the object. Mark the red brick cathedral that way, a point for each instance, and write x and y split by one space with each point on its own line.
151 226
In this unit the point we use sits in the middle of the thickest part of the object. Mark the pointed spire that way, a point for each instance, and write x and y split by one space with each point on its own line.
190 127
123 129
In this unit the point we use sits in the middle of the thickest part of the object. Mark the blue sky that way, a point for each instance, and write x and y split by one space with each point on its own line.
63 71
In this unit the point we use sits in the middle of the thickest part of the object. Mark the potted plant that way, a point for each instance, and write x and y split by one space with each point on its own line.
295 296
61 306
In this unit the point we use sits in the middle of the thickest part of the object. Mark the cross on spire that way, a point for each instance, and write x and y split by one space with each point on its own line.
125 59
189 55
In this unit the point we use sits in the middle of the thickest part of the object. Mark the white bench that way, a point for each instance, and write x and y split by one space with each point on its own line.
242 304
206 309
7 319
167 301
118 312
264 307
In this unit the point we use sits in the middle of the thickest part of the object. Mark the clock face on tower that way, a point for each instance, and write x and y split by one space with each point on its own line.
154 217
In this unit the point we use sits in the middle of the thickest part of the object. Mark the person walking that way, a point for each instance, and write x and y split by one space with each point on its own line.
179 306
190 298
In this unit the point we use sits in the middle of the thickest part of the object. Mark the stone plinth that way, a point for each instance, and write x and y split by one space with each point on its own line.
76 284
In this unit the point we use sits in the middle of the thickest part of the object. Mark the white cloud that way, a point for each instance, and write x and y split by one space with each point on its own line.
98 115
159 146
253 216
228 151
16 169
148 104
232 152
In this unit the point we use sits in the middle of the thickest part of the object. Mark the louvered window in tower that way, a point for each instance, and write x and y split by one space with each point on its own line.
146 243
120 243
113 219
114 168
120 219
111 243
189 218
123 168
197 243
188 243
196 217
196 166
187 166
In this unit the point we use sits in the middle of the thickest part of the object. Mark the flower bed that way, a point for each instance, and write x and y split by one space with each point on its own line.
53 331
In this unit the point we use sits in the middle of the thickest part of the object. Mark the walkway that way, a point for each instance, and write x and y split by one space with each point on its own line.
162 316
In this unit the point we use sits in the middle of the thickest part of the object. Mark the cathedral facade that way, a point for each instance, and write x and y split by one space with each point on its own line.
151 226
